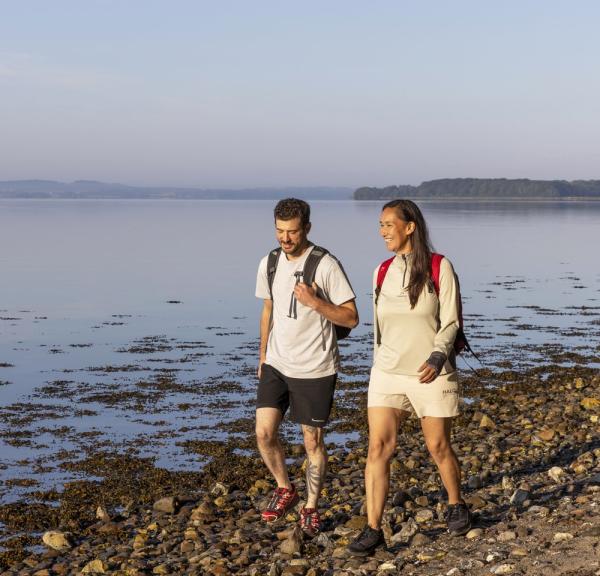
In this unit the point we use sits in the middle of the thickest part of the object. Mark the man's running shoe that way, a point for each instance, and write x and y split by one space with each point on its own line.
366 542
458 519
281 501
310 521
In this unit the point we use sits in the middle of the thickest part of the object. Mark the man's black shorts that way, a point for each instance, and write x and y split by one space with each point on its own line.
309 399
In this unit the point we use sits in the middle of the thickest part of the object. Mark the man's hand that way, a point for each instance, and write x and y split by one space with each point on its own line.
260 363
306 294
427 373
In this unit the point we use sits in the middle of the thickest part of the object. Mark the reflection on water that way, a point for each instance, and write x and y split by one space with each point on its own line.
132 324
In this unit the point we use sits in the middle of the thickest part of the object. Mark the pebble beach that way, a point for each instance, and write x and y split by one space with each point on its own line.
528 442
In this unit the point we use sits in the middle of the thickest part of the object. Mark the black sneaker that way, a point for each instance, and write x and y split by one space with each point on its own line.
366 542
458 519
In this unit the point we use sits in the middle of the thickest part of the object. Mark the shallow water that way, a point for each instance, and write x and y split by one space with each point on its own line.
132 324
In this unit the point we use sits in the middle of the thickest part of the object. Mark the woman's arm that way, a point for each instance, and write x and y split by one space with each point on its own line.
443 343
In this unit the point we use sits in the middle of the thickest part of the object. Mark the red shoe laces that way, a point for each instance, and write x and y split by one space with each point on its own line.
310 517
280 498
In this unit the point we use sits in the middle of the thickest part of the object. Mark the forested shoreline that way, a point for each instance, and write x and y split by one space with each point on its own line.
485 188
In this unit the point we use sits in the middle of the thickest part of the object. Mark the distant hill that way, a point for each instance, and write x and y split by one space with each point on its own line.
91 189
486 188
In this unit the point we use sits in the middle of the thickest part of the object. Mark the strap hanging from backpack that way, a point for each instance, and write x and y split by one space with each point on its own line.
308 277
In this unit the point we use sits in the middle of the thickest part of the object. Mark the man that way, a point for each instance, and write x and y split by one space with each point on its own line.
299 356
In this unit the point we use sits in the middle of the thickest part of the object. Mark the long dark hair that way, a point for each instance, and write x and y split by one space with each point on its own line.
420 272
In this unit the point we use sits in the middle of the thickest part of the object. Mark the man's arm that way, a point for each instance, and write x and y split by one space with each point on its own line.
345 314
265 328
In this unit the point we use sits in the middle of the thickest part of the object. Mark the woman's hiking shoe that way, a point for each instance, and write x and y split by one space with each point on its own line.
366 542
310 521
458 519
281 501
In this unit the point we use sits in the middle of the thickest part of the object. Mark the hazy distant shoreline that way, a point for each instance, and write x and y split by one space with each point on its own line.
449 189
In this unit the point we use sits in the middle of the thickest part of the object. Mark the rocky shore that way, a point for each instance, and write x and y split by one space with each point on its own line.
529 445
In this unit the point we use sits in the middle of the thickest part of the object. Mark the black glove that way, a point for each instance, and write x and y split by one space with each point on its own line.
437 361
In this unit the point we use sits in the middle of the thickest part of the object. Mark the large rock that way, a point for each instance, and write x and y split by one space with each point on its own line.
357 522
57 540
95 567
167 505
293 543
408 530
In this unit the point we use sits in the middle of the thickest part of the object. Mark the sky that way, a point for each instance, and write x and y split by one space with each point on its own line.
234 94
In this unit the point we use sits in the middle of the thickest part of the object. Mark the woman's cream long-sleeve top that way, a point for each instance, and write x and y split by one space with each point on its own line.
409 337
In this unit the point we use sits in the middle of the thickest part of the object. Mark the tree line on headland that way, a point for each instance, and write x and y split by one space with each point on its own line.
485 188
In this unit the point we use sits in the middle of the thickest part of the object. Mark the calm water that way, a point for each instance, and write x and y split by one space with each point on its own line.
84 281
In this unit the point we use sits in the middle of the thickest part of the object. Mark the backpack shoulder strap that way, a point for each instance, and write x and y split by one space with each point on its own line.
272 260
383 268
312 261
436 260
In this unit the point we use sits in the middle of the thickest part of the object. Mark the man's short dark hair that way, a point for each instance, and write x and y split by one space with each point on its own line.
290 208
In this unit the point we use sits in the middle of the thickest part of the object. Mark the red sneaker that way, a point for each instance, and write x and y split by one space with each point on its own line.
310 521
282 500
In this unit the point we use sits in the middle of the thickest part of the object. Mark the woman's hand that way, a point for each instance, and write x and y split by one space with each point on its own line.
427 373
430 369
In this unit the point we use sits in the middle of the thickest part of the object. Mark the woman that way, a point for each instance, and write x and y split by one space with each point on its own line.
414 366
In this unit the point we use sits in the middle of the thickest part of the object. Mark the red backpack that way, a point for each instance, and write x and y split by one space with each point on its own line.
460 343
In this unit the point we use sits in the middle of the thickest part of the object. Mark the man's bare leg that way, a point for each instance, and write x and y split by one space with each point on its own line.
269 446
316 465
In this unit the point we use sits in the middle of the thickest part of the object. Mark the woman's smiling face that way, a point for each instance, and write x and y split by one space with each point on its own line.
396 232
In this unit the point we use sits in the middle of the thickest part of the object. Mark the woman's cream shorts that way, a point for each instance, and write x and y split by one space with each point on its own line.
439 398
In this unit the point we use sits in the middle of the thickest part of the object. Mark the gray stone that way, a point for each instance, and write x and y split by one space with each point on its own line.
323 540
541 511
520 497
408 530
474 482
594 479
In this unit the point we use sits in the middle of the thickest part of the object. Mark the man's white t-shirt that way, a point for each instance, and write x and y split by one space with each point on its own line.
302 343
